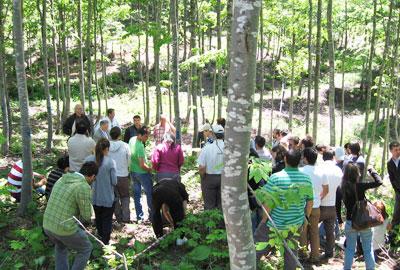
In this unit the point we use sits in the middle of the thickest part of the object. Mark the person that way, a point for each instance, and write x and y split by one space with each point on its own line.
111 120
69 126
56 174
103 189
121 154
355 156
379 232
262 153
80 146
278 155
14 181
292 216
327 209
207 135
276 137
167 159
352 185
210 163
347 150
293 142
132 130
340 156
307 142
140 172
169 199
394 177
320 189
221 122
71 197
102 131
165 126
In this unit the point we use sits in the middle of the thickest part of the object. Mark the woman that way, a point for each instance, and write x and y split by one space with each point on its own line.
103 189
167 159
351 184
278 153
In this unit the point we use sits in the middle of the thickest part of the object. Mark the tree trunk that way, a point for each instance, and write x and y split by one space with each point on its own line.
261 105
79 39
219 46
6 137
26 193
66 61
235 203
343 74
96 81
397 92
89 60
317 71
147 116
292 81
310 67
331 55
156 46
103 63
141 76
193 71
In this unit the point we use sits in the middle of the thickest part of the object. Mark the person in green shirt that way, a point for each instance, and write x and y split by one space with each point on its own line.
71 196
140 172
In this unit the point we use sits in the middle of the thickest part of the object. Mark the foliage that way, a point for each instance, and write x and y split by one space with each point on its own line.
259 169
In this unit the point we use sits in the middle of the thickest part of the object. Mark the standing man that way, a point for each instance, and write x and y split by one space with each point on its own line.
110 118
394 176
69 125
210 164
71 196
207 135
132 130
295 214
165 126
141 172
80 146
102 132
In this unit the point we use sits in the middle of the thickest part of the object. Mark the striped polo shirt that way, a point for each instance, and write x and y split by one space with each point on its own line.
14 178
294 214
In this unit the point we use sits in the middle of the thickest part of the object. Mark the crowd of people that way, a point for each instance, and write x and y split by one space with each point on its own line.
102 165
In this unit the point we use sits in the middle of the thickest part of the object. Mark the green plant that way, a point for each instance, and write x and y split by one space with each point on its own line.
259 169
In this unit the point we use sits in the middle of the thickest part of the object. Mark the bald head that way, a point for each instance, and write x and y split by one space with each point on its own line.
78 110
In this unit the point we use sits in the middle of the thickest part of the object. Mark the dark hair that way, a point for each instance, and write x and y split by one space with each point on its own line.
110 111
89 168
393 145
381 207
143 131
284 133
136 117
293 157
280 152
351 175
221 121
103 122
328 155
321 147
276 131
346 145
295 139
308 141
219 136
101 145
81 127
311 155
115 132
355 148
259 140
63 162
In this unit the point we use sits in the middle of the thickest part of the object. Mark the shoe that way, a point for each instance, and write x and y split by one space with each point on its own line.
326 257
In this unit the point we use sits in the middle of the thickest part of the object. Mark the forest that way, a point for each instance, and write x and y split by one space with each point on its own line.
263 73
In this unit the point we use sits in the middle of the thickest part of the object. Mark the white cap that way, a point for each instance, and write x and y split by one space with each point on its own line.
339 153
217 129
206 127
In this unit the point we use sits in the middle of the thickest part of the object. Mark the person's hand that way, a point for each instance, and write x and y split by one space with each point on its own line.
370 168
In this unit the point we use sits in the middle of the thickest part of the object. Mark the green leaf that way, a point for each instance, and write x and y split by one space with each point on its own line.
17 245
200 253
39 261
261 245
139 247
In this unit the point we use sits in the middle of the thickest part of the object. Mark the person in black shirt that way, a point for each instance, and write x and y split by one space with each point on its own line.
394 176
132 130
278 153
70 122
62 167
169 198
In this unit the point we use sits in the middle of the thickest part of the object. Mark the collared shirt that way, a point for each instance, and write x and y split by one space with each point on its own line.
396 162
334 176
318 179
212 156
111 123
158 133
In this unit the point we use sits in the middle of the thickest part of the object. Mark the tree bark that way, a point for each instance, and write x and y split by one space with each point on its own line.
242 74
261 102
219 46
343 74
103 63
156 38
67 108
56 71
89 60
96 81
79 39
331 55
4 112
310 67
292 80
193 72
317 71
147 116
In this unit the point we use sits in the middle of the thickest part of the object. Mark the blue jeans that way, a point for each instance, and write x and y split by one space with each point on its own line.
351 241
139 180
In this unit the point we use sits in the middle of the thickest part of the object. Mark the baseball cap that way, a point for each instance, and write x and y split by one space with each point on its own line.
217 129
206 127
339 153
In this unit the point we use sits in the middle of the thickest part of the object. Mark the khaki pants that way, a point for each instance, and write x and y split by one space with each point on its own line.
311 234
328 218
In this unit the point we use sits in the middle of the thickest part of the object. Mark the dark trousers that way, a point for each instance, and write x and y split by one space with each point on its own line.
104 222
395 221
122 212
211 189
328 218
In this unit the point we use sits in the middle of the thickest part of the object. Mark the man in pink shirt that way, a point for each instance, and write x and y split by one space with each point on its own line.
162 128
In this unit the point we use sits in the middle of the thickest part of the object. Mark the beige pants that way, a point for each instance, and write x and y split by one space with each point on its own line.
310 234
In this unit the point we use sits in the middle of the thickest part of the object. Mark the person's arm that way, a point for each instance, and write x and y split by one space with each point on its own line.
67 126
89 126
113 173
376 183
325 191
201 161
308 209
338 205
143 165
155 159
167 215
265 217
392 177
181 158
84 202
127 135
157 220
41 182
172 128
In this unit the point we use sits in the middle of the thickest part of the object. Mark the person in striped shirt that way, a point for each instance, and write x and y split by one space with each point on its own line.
295 214
57 173
14 179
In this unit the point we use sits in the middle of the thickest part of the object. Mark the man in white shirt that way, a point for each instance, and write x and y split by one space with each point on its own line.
259 144
211 164
102 132
110 118
327 209
321 189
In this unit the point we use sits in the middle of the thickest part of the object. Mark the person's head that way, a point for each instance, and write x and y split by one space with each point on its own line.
221 122
355 148
310 156
163 119
111 113
347 148
293 142
382 208
137 121
339 153
321 148
89 170
259 141
394 148
79 110
218 130
207 130
143 134
63 163
276 134
278 152
104 125
292 158
115 133
329 154
351 175
81 127
101 150
169 139
307 142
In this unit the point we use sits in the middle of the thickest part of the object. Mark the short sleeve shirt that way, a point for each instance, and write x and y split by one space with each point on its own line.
212 157
137 151
318 179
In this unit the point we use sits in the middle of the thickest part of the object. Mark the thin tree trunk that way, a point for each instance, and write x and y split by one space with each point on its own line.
79 39
219 46
67 108
4 112
89 59
317 71
261 105
214 82
156 46
387 132
185 15
96 81
103 63
147 116
397 92
193 71
234 176
331 55
56 72
343 75
292 81
141 76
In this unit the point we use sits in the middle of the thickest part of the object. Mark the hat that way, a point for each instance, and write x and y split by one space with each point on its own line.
339 153
217 129
206 127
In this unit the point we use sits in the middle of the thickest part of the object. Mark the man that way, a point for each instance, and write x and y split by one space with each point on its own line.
206 134
132 130
161 128
120 153
210 164
80 146
169 198
56 174
140 172
306 142
320 190
69 126
355 156
14 179
293 142
71 196
394 176
295 214
259 143
110 118
276 137
102 132
327 209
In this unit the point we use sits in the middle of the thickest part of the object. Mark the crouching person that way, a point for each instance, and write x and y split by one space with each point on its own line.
169 203
71 196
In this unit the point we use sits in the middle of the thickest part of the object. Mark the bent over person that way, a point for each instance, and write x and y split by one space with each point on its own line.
71 196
